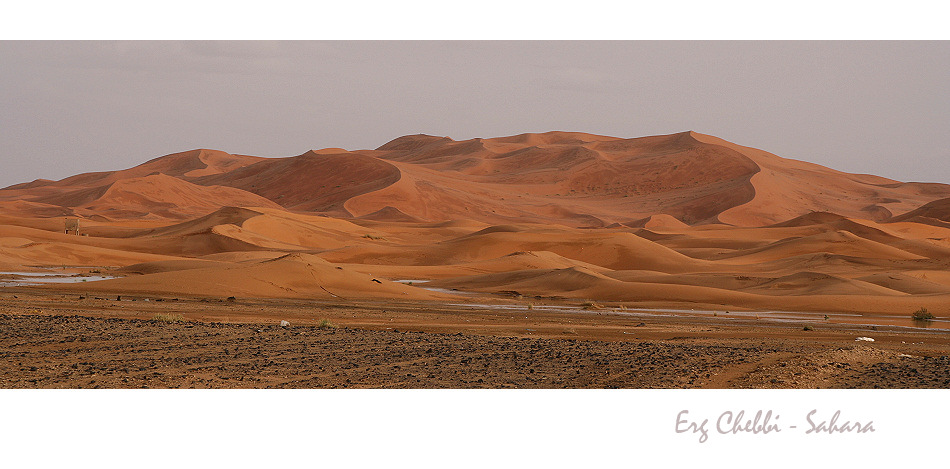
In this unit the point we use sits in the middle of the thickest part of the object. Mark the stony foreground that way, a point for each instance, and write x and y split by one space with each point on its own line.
60 351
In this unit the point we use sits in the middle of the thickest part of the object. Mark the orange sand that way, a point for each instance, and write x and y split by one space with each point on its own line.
685 220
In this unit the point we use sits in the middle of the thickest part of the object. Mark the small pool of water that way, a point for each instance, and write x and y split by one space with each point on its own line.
17 279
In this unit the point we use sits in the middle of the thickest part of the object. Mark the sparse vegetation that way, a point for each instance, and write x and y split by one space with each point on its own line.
808 328
922 315
326 324
373 237
168 317
591 305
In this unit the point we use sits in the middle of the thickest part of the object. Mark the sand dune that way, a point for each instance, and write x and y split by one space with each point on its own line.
604 249
788 188
170 266
838 242
682 219
178 165
570 178
936 212
529 260
313 181
290 276
532 281
656 222
16 253
813 283
581 283
905 283
162 196
389 213
25 209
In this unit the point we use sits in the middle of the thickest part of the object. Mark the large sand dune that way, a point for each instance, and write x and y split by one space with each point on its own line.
684 220
569 178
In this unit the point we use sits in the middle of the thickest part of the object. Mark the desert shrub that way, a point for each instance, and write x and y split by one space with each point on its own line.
922 315
808 328
369 236
326 324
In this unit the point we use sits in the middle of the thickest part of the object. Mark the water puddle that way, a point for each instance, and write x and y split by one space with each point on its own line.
19 279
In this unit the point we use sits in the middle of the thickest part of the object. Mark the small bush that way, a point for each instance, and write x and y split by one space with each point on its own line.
808 328
169 317
326 324
369 236
922 315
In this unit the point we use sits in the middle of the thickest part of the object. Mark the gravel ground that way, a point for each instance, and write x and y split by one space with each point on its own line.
69 351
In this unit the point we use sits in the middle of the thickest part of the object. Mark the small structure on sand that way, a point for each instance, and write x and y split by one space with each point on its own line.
72 226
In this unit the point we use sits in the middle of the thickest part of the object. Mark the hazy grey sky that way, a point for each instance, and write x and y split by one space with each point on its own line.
69 107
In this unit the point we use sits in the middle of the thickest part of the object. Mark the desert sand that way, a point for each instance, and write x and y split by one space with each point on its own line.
682 225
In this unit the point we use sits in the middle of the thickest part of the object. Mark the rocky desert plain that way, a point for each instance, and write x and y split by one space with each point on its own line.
549 260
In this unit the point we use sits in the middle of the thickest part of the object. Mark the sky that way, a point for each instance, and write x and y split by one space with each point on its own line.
878 107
